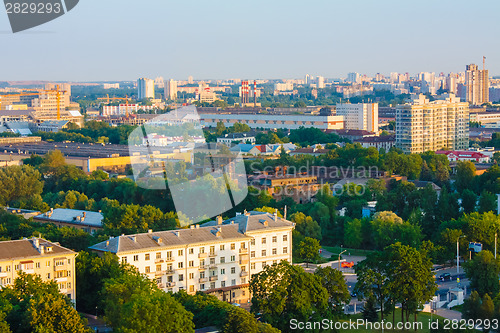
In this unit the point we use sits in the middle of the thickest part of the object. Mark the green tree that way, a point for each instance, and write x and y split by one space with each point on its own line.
353 236
483 271
334 283
36 306
472 306
19 183
410 280
487 308
370 309
469 199
466 171
240 321
373 281
282 291
487 202
309 250
133 303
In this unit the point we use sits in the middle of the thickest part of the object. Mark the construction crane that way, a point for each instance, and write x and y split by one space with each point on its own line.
109 99
126 99
57 92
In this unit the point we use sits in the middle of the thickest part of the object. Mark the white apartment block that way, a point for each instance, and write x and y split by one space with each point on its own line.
430 126
273 121
360 116
218 257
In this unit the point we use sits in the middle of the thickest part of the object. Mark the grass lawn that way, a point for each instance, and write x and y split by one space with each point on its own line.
354 252
423 317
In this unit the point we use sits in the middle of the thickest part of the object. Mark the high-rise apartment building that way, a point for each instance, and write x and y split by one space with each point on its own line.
477 85
360 116
353 77
145 88
321 82
429 126
50 261
218 257
170 90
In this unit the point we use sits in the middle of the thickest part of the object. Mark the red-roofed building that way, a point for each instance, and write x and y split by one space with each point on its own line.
472 156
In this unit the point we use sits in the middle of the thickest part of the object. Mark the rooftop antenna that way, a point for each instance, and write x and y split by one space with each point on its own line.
484 63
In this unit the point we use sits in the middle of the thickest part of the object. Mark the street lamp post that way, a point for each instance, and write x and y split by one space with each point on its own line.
458 254
339 257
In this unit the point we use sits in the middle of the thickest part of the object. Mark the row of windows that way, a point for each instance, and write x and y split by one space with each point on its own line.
29 266
169 254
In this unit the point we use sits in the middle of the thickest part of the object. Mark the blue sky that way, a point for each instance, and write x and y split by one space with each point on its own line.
124 40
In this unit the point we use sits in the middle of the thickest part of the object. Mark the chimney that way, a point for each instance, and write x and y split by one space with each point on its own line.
177 233
276 215
197 226
150 231
219 220
134 238
84 214
107 243
191 227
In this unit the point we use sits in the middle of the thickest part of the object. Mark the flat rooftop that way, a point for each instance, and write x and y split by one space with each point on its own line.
72 149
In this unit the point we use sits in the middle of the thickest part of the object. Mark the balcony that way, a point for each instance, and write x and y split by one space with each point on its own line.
212 266
169 259
212 254
170 284
243 250
3 274
161 285
202 255
158 260
213 278
203 267
243 261
157 273
243 274
203 280
60 268
169 271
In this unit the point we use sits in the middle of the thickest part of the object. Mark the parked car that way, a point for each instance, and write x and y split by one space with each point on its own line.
445 277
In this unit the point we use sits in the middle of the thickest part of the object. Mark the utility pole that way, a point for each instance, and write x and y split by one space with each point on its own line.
339 257
458 254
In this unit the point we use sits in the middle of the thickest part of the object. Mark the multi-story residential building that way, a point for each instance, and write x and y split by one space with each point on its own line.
360 116
429 126
50 261
476 85
273 121
218 257
353 77
145 88
170 90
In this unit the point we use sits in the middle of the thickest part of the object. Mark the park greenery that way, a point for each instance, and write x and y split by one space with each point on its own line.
415 224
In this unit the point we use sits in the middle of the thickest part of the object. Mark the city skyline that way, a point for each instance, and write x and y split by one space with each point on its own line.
278 40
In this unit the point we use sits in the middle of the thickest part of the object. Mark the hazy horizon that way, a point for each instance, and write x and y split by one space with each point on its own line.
124 40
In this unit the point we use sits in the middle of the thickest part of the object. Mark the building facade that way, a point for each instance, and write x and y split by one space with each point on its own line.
361 116
50 261
273 121
145 88
476 85
218 257
170 90
429 126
